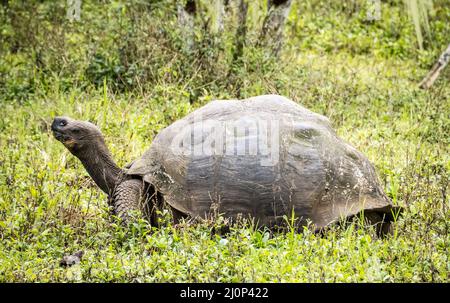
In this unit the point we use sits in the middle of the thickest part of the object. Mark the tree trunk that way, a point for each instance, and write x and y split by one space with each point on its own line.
186 17
241 31
272 30
428 81
220 13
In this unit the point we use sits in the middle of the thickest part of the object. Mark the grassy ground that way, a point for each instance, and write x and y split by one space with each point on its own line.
49 207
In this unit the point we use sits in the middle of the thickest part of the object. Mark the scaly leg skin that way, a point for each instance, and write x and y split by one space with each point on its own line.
128 197
133 195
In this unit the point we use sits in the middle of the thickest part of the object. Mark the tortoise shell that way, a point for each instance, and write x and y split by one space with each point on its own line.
264 157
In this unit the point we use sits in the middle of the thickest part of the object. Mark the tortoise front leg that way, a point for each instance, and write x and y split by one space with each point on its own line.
127 198
133 195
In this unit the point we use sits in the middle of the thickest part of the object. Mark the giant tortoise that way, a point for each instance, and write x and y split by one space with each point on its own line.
265 158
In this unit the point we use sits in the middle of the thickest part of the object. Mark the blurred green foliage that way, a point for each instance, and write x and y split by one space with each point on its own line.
135 44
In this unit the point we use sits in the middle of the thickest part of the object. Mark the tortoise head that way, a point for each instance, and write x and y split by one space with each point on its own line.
77 136
85 141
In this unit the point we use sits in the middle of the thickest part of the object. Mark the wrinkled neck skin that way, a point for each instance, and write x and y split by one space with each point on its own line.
101 167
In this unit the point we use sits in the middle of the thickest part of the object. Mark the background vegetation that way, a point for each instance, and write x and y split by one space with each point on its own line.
128 67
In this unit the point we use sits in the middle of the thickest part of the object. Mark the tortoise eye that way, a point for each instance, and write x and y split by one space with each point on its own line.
63 123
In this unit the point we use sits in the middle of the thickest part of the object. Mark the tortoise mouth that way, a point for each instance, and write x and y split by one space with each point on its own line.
60 136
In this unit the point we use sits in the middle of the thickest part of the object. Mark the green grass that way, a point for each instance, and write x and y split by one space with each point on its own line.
49 207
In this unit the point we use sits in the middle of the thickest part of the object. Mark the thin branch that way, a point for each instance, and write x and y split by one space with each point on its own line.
428 81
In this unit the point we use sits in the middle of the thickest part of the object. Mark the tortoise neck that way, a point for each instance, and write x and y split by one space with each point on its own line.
98 162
